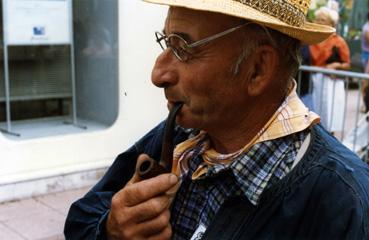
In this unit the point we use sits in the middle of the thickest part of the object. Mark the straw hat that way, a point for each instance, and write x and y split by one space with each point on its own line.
286 16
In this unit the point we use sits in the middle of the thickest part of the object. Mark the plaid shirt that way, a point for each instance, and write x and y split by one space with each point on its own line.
197 201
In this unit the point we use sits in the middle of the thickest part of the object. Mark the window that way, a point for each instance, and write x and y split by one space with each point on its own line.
50 85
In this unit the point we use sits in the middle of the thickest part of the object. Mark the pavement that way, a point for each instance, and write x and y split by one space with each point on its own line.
37 218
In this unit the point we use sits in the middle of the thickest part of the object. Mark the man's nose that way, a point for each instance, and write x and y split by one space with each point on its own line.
165 72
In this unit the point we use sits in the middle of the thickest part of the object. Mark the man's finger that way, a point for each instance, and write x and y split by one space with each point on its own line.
154 226
139 192
150 209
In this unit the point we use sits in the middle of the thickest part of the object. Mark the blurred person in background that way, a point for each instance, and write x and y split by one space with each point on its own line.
365 62
329 91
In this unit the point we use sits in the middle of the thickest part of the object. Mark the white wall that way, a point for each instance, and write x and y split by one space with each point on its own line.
141 106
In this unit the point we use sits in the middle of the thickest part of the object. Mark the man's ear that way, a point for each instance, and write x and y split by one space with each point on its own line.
265 63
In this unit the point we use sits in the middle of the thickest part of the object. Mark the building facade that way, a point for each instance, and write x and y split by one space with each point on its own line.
75 89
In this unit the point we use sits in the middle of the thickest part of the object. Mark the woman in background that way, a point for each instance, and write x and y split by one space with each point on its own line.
329 91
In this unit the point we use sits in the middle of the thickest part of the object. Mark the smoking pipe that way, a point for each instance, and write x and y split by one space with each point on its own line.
149 168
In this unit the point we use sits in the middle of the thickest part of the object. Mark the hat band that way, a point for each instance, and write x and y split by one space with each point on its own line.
281 9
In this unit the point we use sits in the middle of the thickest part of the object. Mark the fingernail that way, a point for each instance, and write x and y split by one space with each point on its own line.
173 179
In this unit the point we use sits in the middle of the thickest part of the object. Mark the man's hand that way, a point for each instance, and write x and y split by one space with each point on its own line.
141 209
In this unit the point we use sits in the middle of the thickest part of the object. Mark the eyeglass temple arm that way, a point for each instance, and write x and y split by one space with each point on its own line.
218 35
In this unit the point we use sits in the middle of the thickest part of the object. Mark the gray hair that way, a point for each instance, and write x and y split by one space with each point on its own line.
288 49
331 14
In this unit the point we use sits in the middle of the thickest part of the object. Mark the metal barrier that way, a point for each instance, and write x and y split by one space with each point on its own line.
329 95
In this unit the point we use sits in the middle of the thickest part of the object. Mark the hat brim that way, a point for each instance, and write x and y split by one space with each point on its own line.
309 33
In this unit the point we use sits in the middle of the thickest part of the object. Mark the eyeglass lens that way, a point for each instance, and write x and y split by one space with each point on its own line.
177 44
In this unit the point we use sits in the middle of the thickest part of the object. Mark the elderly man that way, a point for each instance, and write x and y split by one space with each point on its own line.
250 161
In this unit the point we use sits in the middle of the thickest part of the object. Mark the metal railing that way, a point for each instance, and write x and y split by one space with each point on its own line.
328 90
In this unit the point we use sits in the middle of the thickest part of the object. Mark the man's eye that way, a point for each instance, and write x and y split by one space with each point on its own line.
177 42
182 50
180 47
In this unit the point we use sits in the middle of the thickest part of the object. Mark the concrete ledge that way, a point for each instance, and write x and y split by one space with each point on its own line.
51 184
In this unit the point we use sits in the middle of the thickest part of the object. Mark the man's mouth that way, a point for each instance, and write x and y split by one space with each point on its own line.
172 103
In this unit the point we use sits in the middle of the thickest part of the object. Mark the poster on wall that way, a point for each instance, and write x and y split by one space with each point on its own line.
37 22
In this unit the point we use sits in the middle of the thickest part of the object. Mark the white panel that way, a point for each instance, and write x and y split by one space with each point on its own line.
37 22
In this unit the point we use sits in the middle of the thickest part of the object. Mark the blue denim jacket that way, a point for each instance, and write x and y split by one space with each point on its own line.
326 196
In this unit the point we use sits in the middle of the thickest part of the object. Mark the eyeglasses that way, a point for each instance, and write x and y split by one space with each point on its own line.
181 48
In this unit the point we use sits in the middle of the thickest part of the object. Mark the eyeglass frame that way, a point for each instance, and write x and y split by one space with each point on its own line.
161 36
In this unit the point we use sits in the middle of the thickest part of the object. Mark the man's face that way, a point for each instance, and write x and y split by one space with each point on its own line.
212 95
